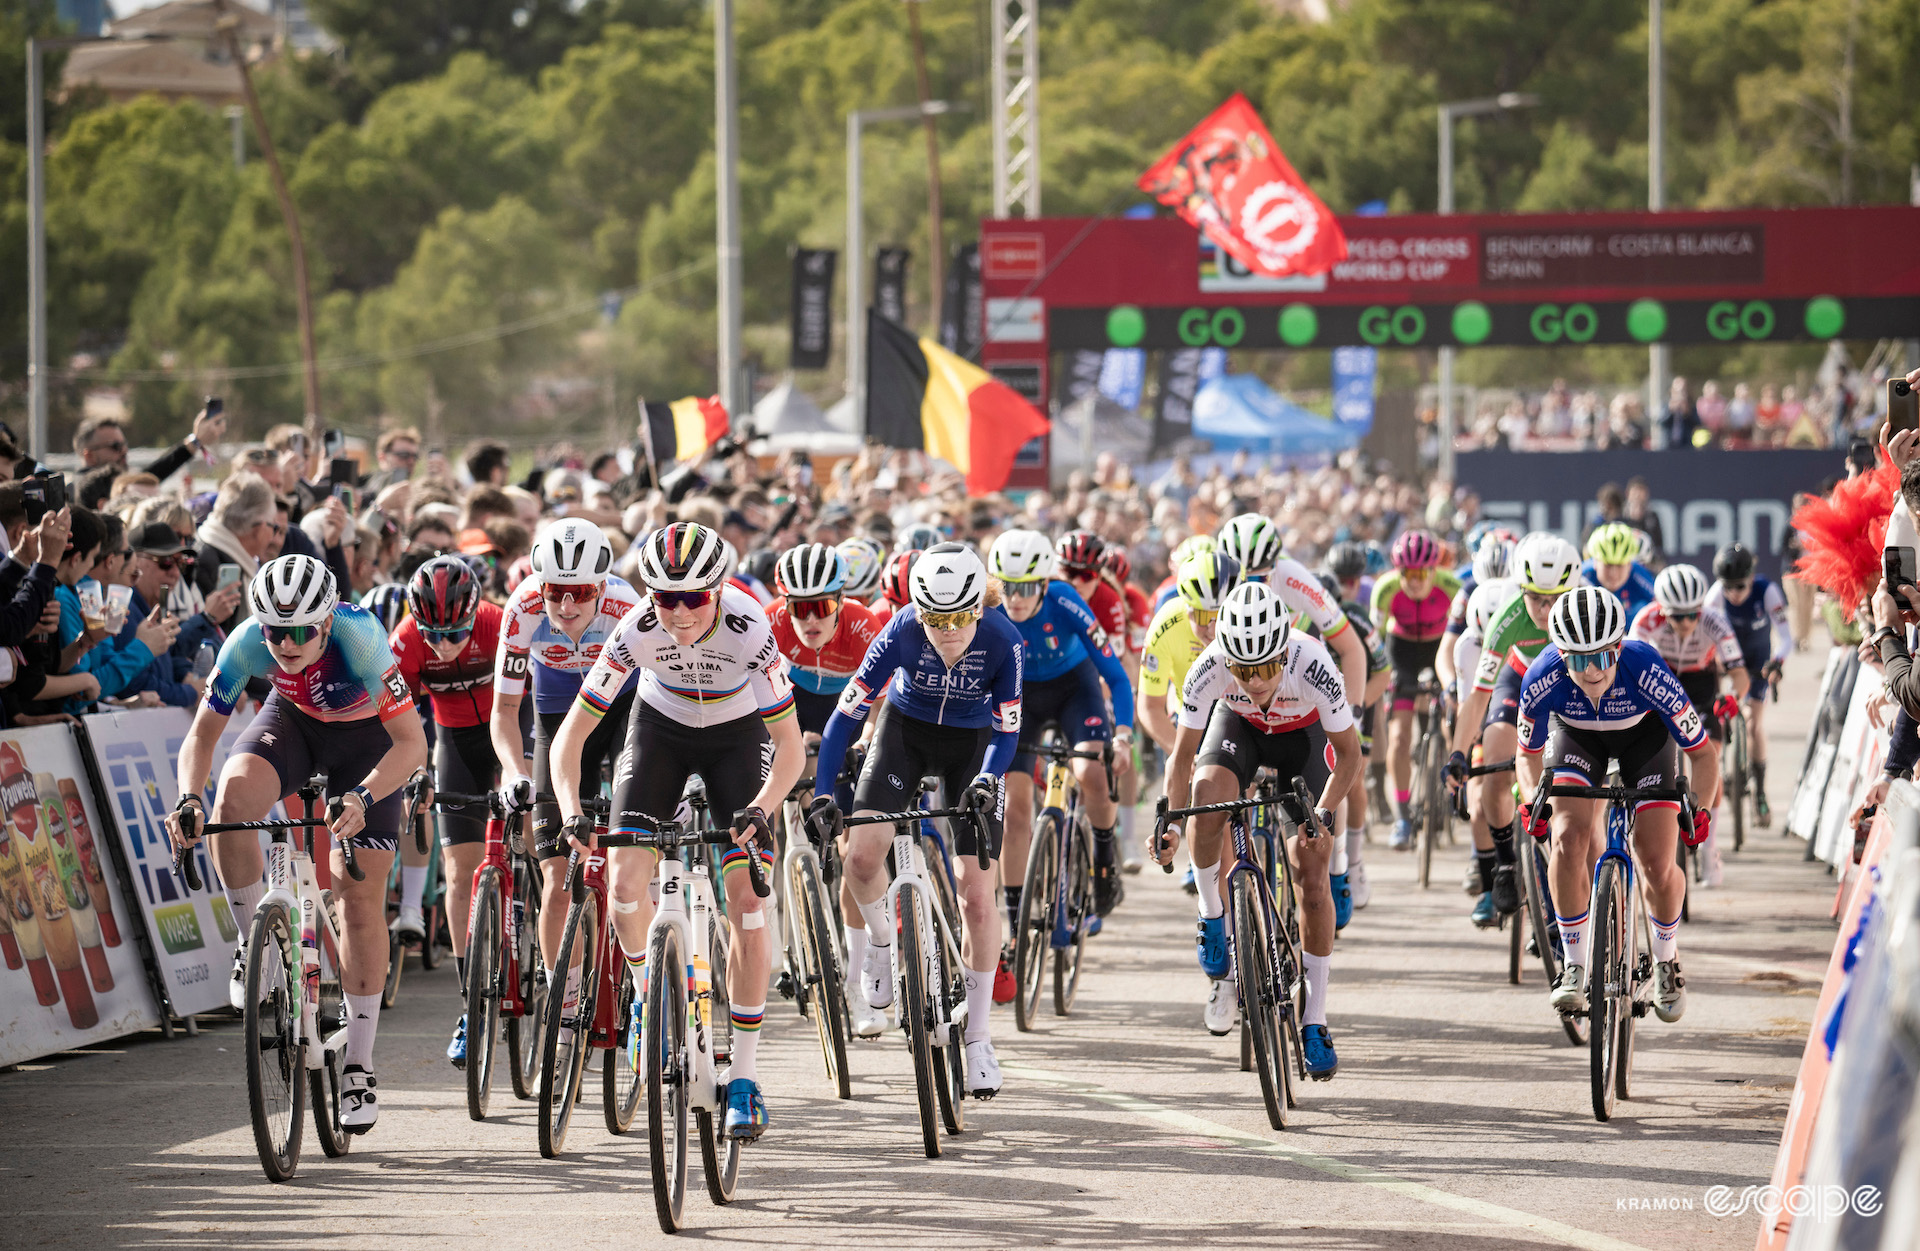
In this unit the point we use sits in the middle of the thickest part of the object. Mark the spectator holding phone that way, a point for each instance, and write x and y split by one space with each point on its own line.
103 441
155 567
244 530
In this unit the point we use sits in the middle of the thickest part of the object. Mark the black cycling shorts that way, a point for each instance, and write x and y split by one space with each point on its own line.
603 743
1703 687
463 763
1243 748
732 758
905 750
1504 705
1075 701
1646 752
1408 657
297 745
813 709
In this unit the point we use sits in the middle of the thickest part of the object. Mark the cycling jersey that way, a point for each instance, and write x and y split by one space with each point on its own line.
355 678
1371 643
529 639
460 690
824 670
1397 613
1511 642
1310 691
1636 592
1172 646
1109 609
729 672
1061 635
1139 616
1474 611
1712 639
1164 593
1457 610
1759 622
1299 590
1642 684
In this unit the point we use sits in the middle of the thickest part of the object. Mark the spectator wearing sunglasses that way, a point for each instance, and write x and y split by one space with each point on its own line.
155 566
85 648
397 451
103 441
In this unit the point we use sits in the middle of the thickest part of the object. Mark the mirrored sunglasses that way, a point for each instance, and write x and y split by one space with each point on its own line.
297 635
813 609
683 599
578 592
949 620
1580 662
1256 673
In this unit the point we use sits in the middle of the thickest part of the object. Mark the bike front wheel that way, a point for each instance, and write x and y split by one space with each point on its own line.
665 1043
825 989
1078 898
719 1156
1609 1002
620 1085
1260 997
276 1056
483 992
524 1033
915 1013
567 1037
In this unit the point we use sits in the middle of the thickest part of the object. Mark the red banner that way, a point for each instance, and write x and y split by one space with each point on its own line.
1229 178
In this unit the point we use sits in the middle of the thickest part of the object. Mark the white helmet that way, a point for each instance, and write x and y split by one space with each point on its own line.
1494 560
1252 540
1254 624
572 551
917 537
1022 556
1545 563
293 591
683 556
948 578
1680 588
865 559
1587 619
811 571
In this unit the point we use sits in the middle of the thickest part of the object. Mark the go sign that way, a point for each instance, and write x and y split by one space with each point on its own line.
1577 323
1220 327
1726 320
1405 325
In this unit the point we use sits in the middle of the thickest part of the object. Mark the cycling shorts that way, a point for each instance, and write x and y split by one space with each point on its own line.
1366 729
1075 701
463 763
1504 706
813 709
1408 657
1646 752
906 749
1703 687
603 743
1233 742
732 758
1757 659
298 745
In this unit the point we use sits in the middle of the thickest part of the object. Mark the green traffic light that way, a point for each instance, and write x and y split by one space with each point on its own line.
1472 323
1126 326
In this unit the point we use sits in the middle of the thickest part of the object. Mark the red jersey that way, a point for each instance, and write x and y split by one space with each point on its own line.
1139 617
461 689
825 671
1110 610
882 612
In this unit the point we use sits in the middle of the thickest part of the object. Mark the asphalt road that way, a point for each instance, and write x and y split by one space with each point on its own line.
1460 1116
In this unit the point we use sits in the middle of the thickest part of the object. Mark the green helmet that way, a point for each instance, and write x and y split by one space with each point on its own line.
1206 579
1189 547
1614 544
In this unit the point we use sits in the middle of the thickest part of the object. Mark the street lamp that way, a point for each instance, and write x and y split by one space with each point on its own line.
856 265
1504 102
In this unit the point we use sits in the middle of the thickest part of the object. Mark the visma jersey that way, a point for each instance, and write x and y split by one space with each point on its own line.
1642 684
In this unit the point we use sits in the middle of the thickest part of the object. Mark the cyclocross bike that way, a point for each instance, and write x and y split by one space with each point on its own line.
815 973
434 943
1736 771
1430 804
1056 905
296 1017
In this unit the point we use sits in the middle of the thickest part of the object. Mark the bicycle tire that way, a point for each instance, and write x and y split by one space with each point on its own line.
949 1053
1290 973
1068 961
563 1063
396 964
1737 776
664 1044
1639 935
484 934
826 988
434 942
1607 987
276 1064
1033 940
524 1032
1516 946
323 1092
719 1160
620 1085
1259 1005
1427 809
913 1000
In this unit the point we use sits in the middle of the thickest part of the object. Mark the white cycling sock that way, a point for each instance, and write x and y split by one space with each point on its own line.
1127 815
746 1041
879 922
413 884
571 998
1319 969
1356 839
1207 878
363 1020
1666 937
1338 865
856 949
980 1004
1573 936
244 900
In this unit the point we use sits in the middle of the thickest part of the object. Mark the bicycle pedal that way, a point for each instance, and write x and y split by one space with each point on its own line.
785 984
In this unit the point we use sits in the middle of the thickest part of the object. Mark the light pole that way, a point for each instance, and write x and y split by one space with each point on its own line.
1448 112
856 273
726 144
1659 361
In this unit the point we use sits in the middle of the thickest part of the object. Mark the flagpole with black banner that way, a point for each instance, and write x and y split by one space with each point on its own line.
646 441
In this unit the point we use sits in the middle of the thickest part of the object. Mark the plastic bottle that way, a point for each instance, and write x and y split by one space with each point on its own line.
90 860
73 881
35 849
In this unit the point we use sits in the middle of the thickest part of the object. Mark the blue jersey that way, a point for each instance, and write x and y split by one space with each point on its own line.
982 689
1061 634
1759 622
356 676
1642 684
1636 592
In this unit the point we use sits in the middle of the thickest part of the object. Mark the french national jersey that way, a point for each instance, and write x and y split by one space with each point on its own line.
355 678
1310 690
461 689
1760 621
528 640
1641 684
732 671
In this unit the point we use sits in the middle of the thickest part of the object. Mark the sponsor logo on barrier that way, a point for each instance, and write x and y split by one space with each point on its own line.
1822 1203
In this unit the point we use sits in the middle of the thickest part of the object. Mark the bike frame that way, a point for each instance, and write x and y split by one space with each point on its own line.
1063 801
512 913
909 877
293 881
686 907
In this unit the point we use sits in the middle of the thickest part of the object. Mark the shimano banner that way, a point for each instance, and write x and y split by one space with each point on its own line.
1703 498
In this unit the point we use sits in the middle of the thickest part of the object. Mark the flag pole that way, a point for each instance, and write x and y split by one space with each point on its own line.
646 440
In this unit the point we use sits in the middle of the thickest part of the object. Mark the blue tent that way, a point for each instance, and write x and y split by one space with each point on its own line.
1240 411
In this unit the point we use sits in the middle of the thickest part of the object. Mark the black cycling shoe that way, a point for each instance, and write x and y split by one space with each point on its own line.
1108 890
1506 890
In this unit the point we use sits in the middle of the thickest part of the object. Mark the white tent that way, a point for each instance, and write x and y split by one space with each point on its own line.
788 418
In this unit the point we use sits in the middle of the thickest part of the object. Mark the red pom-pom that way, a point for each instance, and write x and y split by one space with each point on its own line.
1841 536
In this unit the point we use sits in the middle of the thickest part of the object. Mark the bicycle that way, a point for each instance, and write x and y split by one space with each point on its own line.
929 979
1736 771
1056 905
815 973
1430 804
1266 952
686 933
434 942
1515 940
1543 932
1620 964
296 1017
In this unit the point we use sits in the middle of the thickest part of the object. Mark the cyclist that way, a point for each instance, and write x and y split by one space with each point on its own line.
1066 657
866 561
1545 567
896 586
1585 700
1081 555
1756 608
1253 541
340 705
713 698
951 675
1349 870
1264 695
1410 606
917 537
445 649
1492 586
1189 547
1118 567
1613 561
552 630
1179 633
388 603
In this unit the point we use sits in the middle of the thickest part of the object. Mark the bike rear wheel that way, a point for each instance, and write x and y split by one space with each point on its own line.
949 1047
915 1011
524 1033
1607 1000
396 964
483 992
1429 807
324 1093
1639 989
276 1062
1033 941
620 1086
1078 898
665 1045
1737 776
1259 998
824 992
567 1037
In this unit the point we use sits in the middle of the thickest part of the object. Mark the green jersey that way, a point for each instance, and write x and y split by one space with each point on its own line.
1512 639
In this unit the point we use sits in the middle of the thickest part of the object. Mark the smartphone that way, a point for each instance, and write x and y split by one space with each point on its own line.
43 492
342 472
1903 406
215 406
334 443
229 574
1901 565
344 493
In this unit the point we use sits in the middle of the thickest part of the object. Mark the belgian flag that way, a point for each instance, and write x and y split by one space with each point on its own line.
921 395
685 428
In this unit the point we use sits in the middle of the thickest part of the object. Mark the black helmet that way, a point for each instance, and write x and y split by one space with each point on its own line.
1733 563
1347 561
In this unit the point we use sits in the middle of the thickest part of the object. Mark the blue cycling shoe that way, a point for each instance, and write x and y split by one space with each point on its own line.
636 1031
1402 836
1093 925
746 1110
1484 914
1317 1044
1187 883
457 1049
1212 943
1342 901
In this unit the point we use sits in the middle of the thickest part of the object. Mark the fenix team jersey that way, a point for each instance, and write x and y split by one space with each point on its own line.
355 678
1511 640
1712 639
461 689
528 641
1397 612
1642 684
1310 690
1636 592
1060 635
824 670
731 671
1762 614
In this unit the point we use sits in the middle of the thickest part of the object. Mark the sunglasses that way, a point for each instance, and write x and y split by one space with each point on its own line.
1202 616
1024 590
811 609
1683 616
256 456
448 637
408 457
118 445
685 599
1579 662
1540 601
1737 587
1082 572
949 620
1256 673
183 561
297 635
578 592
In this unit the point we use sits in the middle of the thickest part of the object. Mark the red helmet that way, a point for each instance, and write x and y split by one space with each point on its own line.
1116 563
443 594
894 587
1081 552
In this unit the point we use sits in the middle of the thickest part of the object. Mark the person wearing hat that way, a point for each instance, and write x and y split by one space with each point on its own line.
160 559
